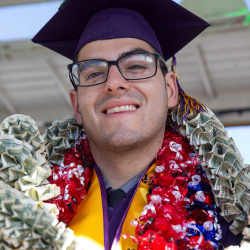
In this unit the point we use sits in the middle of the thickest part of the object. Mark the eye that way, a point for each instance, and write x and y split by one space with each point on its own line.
136 66
93 75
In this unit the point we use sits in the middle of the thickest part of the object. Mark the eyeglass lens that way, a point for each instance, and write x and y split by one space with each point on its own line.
133 67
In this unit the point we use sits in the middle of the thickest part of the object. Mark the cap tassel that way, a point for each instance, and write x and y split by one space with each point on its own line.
185 102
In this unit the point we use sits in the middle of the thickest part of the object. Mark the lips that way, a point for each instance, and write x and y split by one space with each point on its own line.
119 107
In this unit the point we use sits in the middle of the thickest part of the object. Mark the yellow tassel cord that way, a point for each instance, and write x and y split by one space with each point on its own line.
186 104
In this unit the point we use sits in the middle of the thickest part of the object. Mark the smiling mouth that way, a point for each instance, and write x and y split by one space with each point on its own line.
119 109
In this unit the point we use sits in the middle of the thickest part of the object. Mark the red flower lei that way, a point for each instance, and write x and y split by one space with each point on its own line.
73 176
180 213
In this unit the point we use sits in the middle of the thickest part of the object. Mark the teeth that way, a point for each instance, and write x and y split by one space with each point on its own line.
121 109
116 109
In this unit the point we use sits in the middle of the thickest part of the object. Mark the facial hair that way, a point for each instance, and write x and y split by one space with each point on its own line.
122 139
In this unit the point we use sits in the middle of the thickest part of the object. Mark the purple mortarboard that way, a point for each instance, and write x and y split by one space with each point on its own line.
164 24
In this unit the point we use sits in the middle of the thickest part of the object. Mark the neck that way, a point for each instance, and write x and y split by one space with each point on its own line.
120 167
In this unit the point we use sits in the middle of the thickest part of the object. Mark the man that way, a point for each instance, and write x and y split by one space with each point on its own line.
122 95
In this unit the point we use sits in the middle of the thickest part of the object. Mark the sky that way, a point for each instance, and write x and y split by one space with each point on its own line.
19 22
23 21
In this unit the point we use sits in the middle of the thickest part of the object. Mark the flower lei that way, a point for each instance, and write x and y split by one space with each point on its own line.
73 176
180 213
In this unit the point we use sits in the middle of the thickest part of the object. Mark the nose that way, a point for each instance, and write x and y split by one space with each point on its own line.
115 83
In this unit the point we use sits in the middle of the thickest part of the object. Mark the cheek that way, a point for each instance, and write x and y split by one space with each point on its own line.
87 99
157 95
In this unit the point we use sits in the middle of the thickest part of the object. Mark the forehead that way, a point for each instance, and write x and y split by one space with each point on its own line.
111 49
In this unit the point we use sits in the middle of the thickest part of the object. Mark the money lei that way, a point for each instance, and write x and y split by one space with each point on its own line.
27 222
229 177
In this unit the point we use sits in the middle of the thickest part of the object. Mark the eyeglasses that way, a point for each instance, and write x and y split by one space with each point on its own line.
132 67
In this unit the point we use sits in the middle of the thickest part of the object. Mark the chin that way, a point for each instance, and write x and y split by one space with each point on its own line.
118 141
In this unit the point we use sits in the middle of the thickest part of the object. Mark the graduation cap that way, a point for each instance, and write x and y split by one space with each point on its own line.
164 24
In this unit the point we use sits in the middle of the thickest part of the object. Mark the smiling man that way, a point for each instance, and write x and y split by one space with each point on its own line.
117 112
122 96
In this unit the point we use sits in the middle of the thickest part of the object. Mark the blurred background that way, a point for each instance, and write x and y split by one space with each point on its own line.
214 67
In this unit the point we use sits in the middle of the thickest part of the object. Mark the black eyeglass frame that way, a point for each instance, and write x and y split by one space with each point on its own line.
116 63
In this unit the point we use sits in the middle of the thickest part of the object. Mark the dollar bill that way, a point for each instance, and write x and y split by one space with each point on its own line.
24 127
207 116
53 131
66 133
240 189
245 201
225 169
71 119
238 166
57 141
56 159
16 174
203 138
39 139
243 176
229 212
41 160
63 124
74 130
16 152
194 135
7 140
215 161
192 124
27 136
34 129
15 130
220 148
49 150
40 174
221 181
29 165
17 238
238 226
218 131
26 183
43 193
205 148
52 208
226 193
8 160
220 139
209 124
2 147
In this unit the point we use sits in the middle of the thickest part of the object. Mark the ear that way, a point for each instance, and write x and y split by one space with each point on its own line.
172 89
75 106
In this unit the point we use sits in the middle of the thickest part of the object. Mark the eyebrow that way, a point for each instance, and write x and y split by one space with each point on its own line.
126 53
133 51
